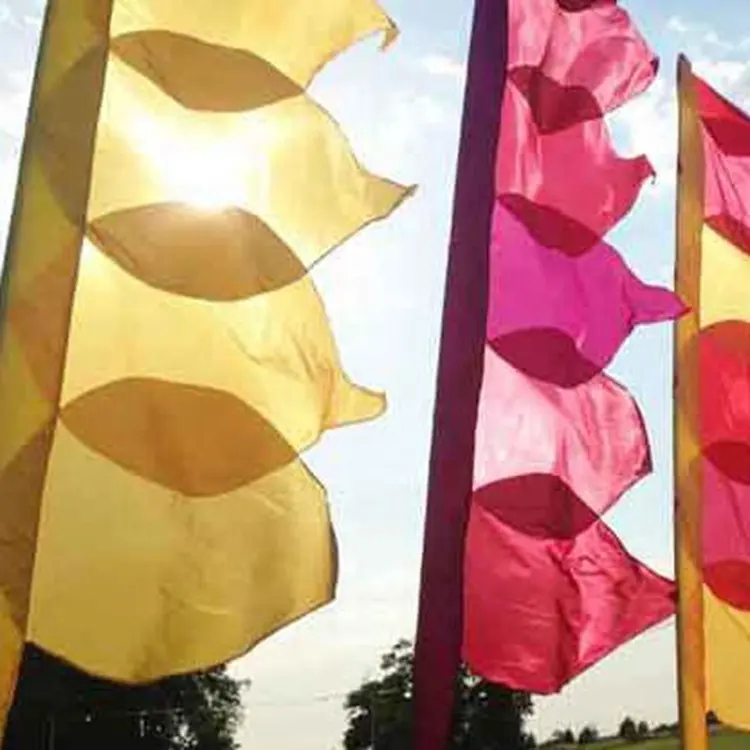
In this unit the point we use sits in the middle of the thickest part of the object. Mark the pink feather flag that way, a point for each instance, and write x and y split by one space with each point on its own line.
533 441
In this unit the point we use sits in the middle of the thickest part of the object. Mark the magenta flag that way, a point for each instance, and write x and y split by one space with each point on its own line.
532 440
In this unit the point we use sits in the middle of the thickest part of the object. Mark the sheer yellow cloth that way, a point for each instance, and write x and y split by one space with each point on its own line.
165 358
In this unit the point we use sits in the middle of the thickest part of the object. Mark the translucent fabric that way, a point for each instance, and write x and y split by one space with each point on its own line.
165 358
717 361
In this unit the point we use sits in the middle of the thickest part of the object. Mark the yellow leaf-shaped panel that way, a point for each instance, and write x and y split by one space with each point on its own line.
287 163
214 255
176 584
204 76
196 441
296 36
21 486
274 351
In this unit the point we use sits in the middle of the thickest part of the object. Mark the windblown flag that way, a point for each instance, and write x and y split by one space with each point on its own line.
533 442
165 358
713 404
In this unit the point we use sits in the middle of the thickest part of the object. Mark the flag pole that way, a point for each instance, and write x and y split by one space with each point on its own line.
437 652
687 509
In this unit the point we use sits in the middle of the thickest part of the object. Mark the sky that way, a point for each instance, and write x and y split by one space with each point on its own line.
401 110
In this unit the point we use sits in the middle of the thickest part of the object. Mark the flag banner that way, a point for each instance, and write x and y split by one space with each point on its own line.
546 589
165 358
715 361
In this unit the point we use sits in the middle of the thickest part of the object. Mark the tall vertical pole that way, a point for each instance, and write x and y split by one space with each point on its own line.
437 653
687 513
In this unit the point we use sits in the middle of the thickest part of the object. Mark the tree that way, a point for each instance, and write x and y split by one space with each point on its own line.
201 710
643 729
628 730
487 717
563 737
588 735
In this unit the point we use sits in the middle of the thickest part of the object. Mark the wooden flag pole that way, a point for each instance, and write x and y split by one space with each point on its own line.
687 511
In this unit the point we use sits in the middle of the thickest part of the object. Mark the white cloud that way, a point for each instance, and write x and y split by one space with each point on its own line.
442 65
676 24
14 99
6 15
650 125
650 121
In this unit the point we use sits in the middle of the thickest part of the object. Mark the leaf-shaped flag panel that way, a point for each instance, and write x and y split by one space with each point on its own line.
194 440
569 188
218 255
553 105
178 584
30 409
21 485
66 150
592 436
578 59
287 163
295 36
540 610
725 534
558 318
273 351
727 157
724 357
41 316
204 76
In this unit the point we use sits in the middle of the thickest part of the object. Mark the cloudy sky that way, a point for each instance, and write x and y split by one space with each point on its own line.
402 111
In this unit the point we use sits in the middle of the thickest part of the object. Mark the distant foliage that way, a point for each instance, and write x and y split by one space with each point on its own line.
588 735
201 711
488 717
628 730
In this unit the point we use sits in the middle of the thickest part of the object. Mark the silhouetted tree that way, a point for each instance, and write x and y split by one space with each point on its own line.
643 729
200 710
563 737
588 735
628 730
487 717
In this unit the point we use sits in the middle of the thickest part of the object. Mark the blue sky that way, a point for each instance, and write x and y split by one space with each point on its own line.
384 290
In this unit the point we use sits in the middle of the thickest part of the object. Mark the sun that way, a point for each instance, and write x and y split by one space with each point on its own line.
202 170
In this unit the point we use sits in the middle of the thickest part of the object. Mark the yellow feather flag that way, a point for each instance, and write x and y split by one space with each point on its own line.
164 356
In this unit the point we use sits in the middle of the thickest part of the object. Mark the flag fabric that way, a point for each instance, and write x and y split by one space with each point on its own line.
533 441
713 362
164 357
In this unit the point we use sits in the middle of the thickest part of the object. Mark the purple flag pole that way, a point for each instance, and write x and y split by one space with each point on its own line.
437 657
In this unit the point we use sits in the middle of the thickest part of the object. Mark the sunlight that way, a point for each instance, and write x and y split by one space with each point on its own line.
208 174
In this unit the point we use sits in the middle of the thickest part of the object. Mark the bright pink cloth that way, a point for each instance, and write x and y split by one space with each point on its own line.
545 589
543 603
570 187
591 437
576 51
563 319
548 588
